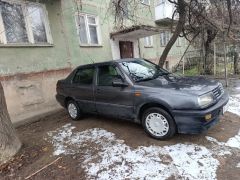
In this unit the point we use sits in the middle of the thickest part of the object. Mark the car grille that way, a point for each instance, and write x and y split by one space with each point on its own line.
218 92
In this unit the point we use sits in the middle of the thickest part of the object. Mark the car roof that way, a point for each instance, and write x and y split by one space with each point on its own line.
108 62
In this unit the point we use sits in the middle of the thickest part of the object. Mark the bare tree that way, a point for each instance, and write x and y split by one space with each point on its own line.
207 19
9 141
181 10
235 54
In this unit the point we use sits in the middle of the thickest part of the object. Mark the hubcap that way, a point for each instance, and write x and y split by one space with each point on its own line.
157 124
72 109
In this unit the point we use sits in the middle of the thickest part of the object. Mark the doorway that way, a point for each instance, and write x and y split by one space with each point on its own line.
126 49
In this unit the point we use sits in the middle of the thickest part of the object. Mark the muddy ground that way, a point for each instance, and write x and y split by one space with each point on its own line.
38 152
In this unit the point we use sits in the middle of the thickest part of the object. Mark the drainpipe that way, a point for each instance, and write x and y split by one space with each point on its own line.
139 48
65 36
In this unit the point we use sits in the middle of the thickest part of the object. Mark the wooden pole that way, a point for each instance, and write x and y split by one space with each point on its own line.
43 168
225 64
183 65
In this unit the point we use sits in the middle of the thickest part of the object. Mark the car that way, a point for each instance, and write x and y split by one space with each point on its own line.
140 91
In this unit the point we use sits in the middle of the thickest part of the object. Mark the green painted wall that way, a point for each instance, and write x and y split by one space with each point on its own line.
157 49
30 59
66 51
83 55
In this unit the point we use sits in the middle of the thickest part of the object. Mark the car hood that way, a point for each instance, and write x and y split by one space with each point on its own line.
192 85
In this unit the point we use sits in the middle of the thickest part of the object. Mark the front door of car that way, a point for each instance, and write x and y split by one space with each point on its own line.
82 89
113 99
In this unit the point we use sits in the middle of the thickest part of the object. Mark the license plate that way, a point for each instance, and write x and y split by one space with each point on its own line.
225 108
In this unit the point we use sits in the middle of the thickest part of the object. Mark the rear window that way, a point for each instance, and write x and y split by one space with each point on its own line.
84 76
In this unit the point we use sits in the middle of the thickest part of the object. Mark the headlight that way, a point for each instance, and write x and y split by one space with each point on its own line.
205 99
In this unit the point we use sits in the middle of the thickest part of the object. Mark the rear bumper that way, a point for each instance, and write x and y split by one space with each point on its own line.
61 100
193 121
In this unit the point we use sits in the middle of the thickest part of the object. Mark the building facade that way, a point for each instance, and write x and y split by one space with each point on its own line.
41 41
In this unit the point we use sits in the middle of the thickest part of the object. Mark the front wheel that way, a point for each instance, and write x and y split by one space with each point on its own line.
158 123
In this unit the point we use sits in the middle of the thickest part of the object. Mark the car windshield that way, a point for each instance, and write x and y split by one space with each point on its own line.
142 70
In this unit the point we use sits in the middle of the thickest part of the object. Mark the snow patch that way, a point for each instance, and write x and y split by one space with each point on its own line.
234 104
111 158
219 148
238 165
234 141
193 161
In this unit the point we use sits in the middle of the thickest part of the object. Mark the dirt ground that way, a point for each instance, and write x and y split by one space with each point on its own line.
37 152
79 157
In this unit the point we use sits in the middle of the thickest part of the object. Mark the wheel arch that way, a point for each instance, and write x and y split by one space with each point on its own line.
67 99
148 105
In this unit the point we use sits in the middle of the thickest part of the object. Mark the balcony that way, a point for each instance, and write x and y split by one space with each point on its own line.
163 12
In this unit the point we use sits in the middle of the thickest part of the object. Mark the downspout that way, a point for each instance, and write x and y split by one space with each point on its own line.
65 36
139 48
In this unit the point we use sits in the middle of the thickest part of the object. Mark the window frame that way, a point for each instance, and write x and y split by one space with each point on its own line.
120 74
178 42
97 25
147 4
168 35
31 42
151 42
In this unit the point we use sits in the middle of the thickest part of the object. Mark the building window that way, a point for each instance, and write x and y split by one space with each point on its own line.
148 41
88 30
124 6
146 2
161 2
178 42
165 37
23 23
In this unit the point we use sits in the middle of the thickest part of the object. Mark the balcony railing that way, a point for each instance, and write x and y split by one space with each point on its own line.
164 11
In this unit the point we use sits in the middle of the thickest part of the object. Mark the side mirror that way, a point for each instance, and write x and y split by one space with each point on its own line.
119 83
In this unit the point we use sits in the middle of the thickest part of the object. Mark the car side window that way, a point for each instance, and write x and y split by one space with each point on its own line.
106 75
84 76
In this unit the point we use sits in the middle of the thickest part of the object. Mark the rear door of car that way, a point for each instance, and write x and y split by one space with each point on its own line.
112 101
82 88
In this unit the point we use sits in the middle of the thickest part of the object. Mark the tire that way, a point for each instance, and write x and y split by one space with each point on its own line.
75 114
158 123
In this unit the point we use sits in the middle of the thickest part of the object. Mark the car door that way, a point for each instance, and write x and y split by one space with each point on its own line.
82 88
112 101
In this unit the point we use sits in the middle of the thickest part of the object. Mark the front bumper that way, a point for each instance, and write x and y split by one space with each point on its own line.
193 121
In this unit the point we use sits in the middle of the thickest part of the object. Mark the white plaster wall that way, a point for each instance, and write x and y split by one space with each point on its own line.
115 49
163 11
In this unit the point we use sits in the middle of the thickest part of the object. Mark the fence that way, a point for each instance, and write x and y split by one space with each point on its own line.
192 63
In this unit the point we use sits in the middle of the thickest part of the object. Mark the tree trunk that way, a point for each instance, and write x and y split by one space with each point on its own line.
235 63
208 63
9 141
177 32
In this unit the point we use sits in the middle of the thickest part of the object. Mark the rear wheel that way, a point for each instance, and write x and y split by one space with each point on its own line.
158 123
73 110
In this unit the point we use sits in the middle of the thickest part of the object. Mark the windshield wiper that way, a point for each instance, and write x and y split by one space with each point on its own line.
146 79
